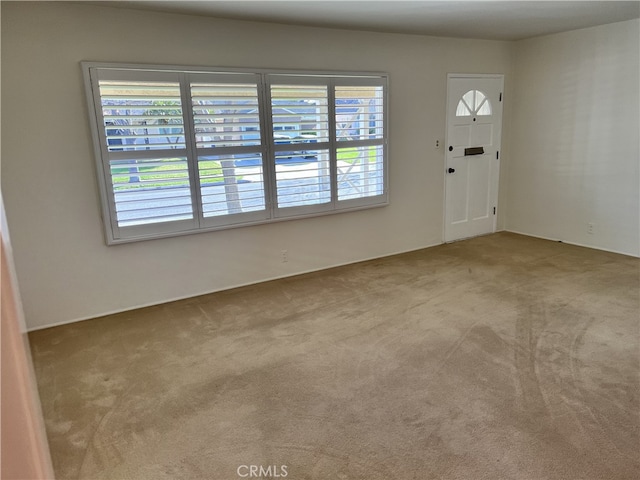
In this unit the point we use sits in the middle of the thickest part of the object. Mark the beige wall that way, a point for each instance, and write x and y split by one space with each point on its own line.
65 270
575 148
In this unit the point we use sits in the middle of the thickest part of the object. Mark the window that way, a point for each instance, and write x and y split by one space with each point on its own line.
186 150
474 102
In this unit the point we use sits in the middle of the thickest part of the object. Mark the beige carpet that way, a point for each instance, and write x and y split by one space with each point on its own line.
501 357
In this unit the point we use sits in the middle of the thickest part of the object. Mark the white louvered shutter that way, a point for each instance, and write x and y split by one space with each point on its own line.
181 150
229 147
360 155
300 136
144 152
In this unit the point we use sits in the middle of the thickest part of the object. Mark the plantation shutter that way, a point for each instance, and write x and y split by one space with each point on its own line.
360 134
142 137
185 150
229 147
300 140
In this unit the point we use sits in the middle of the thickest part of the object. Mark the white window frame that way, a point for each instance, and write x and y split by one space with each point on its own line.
115 234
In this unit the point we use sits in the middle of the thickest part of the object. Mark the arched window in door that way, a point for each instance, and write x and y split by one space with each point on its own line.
474 102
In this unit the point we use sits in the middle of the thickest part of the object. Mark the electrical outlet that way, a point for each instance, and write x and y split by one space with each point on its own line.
284 256
437 144
590 228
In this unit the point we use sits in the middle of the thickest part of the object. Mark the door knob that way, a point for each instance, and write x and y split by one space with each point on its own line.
451 170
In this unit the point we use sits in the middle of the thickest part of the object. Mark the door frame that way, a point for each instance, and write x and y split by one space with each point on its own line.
497 76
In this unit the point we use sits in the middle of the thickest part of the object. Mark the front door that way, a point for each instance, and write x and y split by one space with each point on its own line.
472 155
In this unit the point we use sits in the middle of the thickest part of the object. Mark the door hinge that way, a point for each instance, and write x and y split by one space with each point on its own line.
494 210
500 96
497 154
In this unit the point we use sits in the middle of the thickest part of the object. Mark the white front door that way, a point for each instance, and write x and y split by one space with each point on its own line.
472 154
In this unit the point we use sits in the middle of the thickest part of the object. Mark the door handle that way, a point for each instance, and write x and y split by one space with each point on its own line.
451 170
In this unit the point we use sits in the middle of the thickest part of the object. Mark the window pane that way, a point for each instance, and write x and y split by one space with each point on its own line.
231 184
359 113
151 190
299 114
142 115
484 106
225 115
303 180
462 110
469 99
360 172
474 102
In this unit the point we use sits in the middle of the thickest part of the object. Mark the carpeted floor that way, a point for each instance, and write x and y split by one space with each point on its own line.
500 357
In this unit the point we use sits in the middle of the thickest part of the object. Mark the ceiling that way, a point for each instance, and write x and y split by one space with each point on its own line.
493 20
